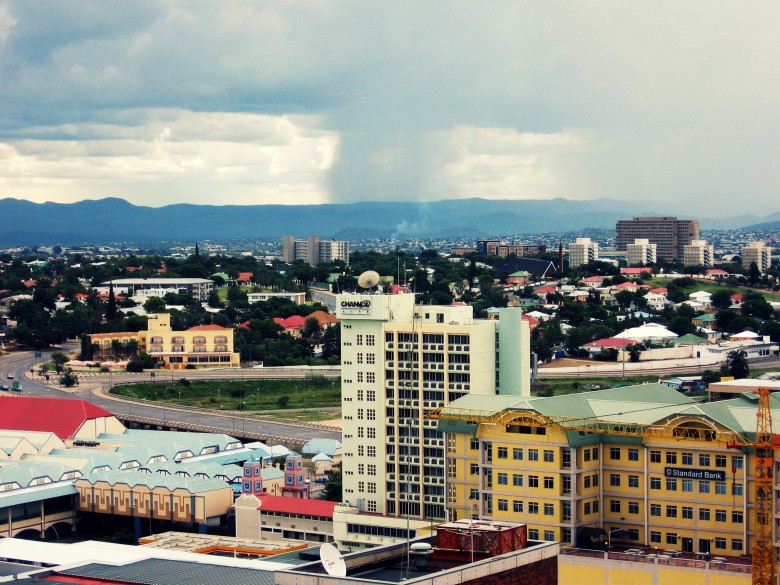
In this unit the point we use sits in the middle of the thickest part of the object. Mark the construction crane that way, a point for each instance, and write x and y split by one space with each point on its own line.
763 551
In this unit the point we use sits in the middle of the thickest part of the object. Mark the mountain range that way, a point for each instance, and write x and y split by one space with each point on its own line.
116 220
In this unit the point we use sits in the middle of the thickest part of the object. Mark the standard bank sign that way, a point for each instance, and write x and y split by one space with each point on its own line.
694 473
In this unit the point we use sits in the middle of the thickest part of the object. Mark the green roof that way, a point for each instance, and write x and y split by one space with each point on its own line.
689 339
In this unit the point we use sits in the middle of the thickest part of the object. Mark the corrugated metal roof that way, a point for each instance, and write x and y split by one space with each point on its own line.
36 494
168 572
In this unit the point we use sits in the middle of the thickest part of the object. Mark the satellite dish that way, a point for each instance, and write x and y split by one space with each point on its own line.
332 561
368 279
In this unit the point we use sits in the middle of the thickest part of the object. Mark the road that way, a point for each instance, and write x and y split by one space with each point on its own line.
92 388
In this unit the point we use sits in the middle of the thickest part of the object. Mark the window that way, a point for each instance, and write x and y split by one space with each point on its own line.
633 481
687 458
549 482
586 509
595 453
549 535
737 462
614 506
736 489
704 487
720 487
655 536
655 457
704 461
720 461
549 509
720 515
533 507
655 483
517 480
687 485
704 514
671 538
737 517
533 454
586 482
533 533
567 484
517 505
371 469
474 444
633 507
720 543
614 479
633 454
517 454
736 544
687 513
655 509
549 456
370 358
503 505
474 494
566 456
586 455
474 469
371 451
360 432
595 480
503 479
671 484
614 453
671 458
502 453
372 433
533 481
671 511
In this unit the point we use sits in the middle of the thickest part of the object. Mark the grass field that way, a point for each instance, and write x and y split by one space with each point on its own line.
314 392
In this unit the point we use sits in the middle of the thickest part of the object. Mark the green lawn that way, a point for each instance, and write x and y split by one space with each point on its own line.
711 286
258 395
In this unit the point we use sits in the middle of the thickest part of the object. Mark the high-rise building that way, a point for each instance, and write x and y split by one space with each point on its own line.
312 250
641 252
668 233
698 253
759 253
582 252
399 362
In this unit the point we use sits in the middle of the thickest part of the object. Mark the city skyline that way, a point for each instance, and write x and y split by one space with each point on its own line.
161 103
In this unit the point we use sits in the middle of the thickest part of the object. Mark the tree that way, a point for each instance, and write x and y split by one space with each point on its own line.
754 274
111 306
154 305
737 364
710 376
333 489
312 328
721 299
59 359
68 378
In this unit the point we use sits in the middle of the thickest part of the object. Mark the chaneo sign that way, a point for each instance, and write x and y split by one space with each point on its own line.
695 473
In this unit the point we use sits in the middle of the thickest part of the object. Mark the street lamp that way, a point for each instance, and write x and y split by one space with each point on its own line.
474 512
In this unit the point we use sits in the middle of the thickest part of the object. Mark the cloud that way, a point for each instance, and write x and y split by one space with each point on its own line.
404 100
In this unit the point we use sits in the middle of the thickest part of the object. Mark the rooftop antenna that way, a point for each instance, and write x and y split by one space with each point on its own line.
332 561
368 279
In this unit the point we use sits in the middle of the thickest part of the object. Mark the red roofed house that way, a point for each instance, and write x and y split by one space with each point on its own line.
280 518
244 277
635 271
324 319
68 419
717 273
596 347
292 325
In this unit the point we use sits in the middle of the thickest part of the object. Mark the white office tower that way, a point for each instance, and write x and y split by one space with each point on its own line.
641 252
582 252
398 361
759 253
698 253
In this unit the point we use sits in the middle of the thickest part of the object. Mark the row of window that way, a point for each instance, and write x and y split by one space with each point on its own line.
737 517
719 542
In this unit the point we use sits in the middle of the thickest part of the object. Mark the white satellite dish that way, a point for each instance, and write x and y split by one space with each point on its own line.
332 561
368 279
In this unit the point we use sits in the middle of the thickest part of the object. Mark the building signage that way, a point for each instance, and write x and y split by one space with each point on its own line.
695 473
355 304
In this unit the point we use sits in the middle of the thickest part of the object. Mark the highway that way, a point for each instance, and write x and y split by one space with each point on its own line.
92 388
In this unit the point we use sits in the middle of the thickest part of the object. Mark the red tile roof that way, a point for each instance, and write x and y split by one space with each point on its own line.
617 342
245 276
208 328
636 271
61 416
323 318
660 290
292 322
297 506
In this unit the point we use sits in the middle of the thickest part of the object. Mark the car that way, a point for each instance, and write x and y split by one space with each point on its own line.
4 387
10 376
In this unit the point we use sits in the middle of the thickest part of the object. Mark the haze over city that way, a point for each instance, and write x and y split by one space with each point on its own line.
241 103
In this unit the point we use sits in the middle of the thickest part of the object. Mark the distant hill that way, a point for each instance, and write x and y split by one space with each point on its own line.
114 220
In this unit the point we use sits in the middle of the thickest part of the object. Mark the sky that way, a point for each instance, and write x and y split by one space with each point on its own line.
666 103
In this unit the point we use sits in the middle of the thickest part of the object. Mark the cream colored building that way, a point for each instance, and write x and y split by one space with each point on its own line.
641 252
399 362
759 253
698 253
582 252
283 518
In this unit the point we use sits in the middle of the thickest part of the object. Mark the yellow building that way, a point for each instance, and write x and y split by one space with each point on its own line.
204 346
639 465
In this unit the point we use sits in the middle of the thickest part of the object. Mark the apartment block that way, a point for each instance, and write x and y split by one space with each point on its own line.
698 253
197 288
312 250
759 253
639 465
641 252
400 362
668 233
582 252
498 248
